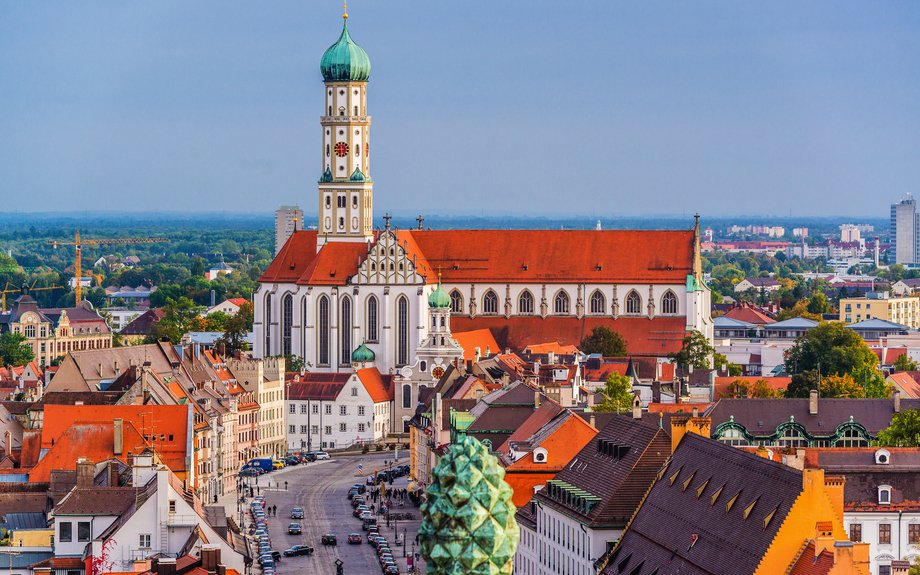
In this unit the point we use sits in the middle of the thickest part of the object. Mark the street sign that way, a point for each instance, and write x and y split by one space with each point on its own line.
360 467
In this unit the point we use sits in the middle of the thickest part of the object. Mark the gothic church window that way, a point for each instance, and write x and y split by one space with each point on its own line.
598 303
561 303
407 396
402 331
525 303
287 318
345 327
490 303
323 336
456 302
633 303
328 201
372 318
669 303
267 324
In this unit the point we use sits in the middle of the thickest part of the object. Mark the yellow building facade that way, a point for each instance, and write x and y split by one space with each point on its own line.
900 310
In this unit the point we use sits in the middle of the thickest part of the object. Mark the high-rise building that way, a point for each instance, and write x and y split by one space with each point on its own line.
905 231
288 219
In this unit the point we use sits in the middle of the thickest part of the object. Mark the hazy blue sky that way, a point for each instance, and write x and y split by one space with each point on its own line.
603 107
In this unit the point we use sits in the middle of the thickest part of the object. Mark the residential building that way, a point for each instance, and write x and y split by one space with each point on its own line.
219 269
704 514
572 522
52 333
849 233
905 232
337 410
328 288
229 306
265 379
138 328
288 219
757 284
905 286
903 310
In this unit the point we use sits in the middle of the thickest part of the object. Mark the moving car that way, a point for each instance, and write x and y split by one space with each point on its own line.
354 538
298 550
297 513
320 455
294 529
329 539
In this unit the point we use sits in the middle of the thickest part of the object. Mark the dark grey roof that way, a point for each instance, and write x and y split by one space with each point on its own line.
864 476
24 559
26 521
681 503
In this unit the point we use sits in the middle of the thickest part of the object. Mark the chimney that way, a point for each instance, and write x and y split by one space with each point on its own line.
591 394
593 420
221 569
210 557
222 349
896 397
7 443
113 474
166 566
118 439
536 399
696 411
84 473
813 402
551 358
637 406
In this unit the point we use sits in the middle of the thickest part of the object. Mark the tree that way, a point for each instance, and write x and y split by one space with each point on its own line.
905 363
800 309
177 320
617 394
904 430
873 384
14 351
763 390
604 341
843 386
829 348
802 384
737 389
295 363
696 351
235 330
818 304
198 267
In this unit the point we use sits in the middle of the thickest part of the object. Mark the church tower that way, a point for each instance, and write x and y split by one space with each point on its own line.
345 187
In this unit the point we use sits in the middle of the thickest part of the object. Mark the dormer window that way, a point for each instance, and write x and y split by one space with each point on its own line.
882 457
884 495
540 455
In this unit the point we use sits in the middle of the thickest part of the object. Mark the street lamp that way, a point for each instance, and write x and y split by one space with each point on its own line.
404 542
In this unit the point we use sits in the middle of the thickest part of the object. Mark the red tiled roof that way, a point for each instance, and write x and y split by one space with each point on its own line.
892 355
749 315
60 563
238 301
292 261
541 416
481 338
655 337
334 264
375 384
808 564
317 386
554 347
907 384
93 440
677 407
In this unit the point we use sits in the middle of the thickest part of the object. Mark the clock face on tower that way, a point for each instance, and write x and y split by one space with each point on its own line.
437 372
341 149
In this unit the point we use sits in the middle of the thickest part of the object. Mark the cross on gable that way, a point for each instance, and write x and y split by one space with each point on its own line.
420 219
386 219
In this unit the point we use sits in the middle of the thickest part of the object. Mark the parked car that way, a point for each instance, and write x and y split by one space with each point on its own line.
361 510
320 455
298 550
354 538
329 539
391 570
297 513
277 465
294 529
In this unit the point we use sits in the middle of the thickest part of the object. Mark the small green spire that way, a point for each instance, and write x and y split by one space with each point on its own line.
439 299
363 354
357 175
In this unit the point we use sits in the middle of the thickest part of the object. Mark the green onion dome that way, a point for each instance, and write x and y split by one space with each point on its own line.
439 298
357 176
362 355
345 61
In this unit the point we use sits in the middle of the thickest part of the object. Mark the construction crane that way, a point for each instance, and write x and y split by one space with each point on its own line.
24 288
78 244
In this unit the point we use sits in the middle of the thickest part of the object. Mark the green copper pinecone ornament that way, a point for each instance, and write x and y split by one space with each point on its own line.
468 525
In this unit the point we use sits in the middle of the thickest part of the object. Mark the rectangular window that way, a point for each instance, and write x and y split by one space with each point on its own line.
172 505
303 428
144 541
292 409
66 534
856 532
343 410
328 430
342 428
913 533
884 533
315 429
354 392
360 410
315 409
303 408
884 570
83 531
292 429
328 409
360 427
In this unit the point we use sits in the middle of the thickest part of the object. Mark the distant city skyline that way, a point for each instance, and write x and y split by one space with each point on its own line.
628 109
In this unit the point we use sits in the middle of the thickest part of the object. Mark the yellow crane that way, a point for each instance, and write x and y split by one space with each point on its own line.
24 287
78 245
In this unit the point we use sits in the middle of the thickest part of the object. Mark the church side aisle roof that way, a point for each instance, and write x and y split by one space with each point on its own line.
334 264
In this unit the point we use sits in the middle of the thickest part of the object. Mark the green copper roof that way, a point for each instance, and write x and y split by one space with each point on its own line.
345 61
439 298
468 524
357 176
362 355
326 177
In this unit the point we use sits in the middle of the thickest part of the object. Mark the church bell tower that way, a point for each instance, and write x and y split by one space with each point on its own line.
345 187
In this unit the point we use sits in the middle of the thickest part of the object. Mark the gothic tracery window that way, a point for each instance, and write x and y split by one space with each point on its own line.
490 303
323 336
456 302
561 303
633 303
525 303
287 319
372 318
669 303
402 331
598 303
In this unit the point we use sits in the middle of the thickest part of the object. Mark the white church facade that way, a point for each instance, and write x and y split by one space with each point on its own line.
328 290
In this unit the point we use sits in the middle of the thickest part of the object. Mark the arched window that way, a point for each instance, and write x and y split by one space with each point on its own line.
633 302
29 331
345 329
456 302
669 303
732 436
303 326
525 303
287 319
330 111
356 110
402 331
407 396
267 324
561 303
490 303
372 318
322 322
598 303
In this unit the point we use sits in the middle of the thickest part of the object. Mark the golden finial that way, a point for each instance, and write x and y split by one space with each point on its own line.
345 15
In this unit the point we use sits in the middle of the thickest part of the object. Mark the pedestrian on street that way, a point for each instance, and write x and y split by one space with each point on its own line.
275 510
